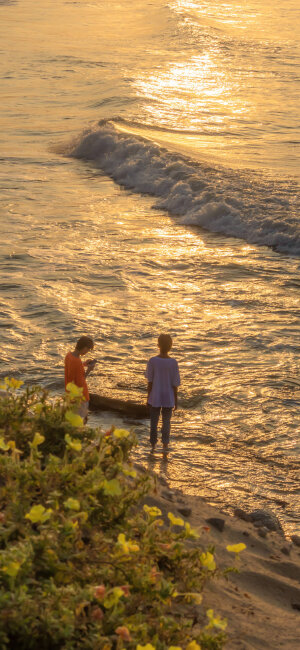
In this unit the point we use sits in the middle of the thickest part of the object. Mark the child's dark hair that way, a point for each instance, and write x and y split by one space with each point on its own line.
85 342
165 343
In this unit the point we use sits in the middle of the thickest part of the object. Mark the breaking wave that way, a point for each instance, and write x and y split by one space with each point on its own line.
237 204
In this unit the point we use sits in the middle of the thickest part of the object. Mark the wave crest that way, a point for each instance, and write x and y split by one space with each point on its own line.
219 200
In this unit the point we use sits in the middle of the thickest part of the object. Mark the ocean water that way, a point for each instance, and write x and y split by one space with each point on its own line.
149 182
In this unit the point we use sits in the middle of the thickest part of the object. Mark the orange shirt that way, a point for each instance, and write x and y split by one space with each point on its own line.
74 371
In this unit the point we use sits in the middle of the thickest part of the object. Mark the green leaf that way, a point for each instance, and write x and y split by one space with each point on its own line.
112 488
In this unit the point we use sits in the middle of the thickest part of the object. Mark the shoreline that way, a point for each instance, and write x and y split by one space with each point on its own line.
262 601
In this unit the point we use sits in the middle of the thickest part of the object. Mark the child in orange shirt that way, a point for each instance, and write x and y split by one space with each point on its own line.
75 370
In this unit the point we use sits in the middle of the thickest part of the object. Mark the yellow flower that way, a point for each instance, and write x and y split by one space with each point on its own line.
37 440
193 645
215 621
112 488
152 511
37 408
13 383
11 569
122 542
70 526
3 445
190 531
127 545
236 548
175 647
12 445
72 504
197 598
207 560
121 433
74 419
149 646
113 597
38 514
176 521
73 443
75 391
130 472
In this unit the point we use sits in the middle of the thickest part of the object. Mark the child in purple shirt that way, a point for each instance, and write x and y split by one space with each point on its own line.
163 380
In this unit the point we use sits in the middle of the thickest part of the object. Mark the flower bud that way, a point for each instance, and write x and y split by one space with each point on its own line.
99 592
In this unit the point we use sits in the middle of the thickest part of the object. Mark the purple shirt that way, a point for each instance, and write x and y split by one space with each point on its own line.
164 375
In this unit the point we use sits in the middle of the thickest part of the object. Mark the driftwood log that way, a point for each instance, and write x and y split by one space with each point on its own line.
126 407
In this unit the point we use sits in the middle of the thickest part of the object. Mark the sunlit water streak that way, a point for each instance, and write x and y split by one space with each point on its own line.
80 254
233 83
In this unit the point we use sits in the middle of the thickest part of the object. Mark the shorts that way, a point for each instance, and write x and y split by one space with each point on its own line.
83 410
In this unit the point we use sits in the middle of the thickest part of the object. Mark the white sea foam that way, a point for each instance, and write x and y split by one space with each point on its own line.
223 201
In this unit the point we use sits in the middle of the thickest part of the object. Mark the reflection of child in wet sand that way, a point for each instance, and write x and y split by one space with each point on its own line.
75 370
163 379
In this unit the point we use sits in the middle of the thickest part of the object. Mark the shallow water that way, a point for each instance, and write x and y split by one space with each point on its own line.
82 253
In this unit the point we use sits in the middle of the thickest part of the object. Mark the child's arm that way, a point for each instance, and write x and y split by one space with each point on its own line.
149 376
149 389
90 365
176 383
175 389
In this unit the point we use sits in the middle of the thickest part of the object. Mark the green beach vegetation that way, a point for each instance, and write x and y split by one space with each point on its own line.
84 562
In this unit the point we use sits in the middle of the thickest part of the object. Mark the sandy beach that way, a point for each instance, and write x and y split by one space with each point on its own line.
262 601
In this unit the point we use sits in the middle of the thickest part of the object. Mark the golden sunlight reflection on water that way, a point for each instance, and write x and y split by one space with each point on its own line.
191 94
228 84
